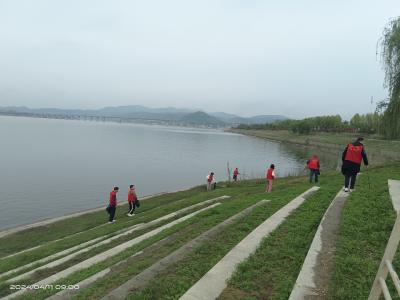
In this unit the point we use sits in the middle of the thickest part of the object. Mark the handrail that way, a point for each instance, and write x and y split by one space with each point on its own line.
379 286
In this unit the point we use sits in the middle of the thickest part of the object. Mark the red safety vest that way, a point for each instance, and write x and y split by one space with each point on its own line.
313 164
354 153
269 174
210 178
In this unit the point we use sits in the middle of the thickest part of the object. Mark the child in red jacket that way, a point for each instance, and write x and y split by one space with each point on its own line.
270 176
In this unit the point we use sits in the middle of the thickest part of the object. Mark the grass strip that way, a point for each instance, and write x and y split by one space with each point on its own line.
367 221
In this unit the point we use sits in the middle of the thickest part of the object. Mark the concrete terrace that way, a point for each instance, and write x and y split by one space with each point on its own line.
231 243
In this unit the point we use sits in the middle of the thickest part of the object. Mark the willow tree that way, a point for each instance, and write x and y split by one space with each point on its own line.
390 44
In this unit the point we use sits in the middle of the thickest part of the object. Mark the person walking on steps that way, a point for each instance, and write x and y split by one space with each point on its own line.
313 166
235 174
113 204
270 176
351 158
132 198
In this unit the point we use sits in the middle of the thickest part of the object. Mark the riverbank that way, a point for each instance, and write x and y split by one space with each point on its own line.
269 273
379 150
44 222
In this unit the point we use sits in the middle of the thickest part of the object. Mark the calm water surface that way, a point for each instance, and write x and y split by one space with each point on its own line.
54 167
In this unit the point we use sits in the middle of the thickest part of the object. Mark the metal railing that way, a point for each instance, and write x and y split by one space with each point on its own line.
379 286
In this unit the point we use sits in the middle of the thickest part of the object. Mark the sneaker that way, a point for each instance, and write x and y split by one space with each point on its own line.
346 190
110 222
113 221
129 215
132 214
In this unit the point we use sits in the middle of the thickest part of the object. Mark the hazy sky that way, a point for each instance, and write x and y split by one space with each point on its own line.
291 57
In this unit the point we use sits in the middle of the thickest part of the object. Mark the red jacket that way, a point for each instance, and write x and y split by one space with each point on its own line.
235 172
313 163
210 178
269 174
113 198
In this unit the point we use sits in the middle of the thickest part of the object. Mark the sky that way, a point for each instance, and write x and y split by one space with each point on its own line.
247 57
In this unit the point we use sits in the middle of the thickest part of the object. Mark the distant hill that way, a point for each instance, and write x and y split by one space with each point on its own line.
166 115
234 119
135 109
201 118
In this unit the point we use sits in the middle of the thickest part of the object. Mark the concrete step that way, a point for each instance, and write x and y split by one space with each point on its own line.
314 277
108 253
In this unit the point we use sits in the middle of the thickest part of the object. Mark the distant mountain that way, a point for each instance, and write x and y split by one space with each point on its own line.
135 109
166 115
234 119
200 117
23 109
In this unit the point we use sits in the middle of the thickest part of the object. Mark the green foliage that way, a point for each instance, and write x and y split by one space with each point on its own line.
305 126
368 123
391 62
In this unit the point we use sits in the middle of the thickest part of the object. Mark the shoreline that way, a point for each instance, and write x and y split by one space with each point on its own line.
306 143
379 150
11 230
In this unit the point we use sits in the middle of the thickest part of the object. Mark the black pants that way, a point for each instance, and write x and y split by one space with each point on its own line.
314 173
350 178
111 212
132 207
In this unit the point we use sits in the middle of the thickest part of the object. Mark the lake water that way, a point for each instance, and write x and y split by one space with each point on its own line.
50 168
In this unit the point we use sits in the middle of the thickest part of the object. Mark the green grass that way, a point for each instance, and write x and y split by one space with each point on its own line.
43 234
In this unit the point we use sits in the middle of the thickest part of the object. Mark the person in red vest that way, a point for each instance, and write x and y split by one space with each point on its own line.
210 181
132 199
351 158
270 176
235 174
313 166
113 204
